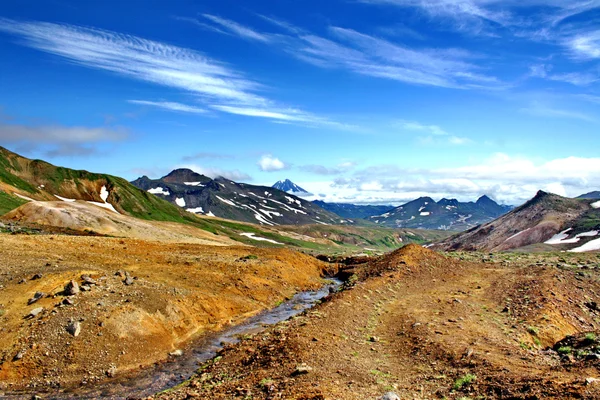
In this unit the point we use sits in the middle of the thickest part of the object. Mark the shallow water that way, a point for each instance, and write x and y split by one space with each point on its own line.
170 374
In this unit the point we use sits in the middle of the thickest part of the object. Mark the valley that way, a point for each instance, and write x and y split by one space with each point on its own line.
104 284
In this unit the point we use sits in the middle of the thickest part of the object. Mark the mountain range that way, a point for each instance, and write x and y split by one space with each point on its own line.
547 222
353 211
224 198
446 214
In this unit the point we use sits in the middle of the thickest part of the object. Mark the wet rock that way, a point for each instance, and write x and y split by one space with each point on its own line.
176 353
302 369
390 396
36 297
71 288
35 312
74 328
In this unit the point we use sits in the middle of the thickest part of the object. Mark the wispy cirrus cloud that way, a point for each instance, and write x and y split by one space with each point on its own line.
417 126
207 156
324 170
584 45
541 110
432 134
169 105
237 29
368 55
209 80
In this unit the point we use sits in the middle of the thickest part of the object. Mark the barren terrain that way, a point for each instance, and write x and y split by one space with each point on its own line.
142 301
428 326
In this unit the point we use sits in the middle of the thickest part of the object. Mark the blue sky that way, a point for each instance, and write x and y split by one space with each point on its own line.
369 101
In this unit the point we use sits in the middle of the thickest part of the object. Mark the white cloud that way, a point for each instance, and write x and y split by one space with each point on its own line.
367 55
237 29
171 106
417 126
174 67
287 115
59 140
585 45
323 170
268 163
508 179
214 172
541 110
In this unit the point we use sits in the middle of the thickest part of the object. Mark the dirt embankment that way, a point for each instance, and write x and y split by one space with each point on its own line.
147 299
426 326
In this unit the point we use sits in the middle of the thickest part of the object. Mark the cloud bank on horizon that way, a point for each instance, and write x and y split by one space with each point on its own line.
388 101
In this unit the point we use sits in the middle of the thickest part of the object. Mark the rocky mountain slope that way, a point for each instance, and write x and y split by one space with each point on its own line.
445 214
235 201
290 187
353 211
548 221
23 180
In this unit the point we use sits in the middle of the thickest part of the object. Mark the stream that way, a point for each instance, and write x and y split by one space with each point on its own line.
171 373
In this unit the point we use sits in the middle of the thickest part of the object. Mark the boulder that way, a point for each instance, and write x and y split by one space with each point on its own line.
35 312
87 280
71 288
36 297
74 328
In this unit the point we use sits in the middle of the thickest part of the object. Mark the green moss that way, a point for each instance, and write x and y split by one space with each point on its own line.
464 381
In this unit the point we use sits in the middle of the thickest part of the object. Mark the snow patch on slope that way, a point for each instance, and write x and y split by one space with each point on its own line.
262 239
65 199
159 190
589 246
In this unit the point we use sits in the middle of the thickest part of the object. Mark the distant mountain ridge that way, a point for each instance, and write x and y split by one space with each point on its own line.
353 211
290 187
548 221
590 195
227 199
446 214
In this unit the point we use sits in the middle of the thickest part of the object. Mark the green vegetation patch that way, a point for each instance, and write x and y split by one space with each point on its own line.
464 381
9 202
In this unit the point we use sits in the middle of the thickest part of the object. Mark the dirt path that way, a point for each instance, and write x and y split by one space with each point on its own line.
427 327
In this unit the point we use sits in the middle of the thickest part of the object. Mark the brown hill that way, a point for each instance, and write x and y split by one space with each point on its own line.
534 222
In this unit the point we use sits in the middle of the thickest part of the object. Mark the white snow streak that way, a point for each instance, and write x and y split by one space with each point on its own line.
159 190
262 239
